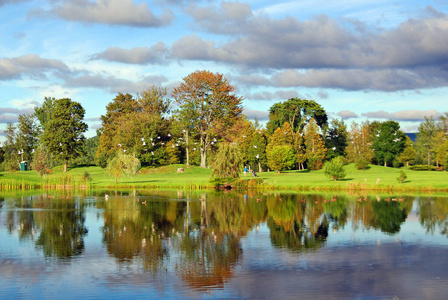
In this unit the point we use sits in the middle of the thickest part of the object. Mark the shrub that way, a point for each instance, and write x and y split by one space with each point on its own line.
423 168
335 168
361 164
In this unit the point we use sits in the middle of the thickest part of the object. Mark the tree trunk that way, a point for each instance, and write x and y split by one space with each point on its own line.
259 167
187 148
203 159
385 163
65 165
429 157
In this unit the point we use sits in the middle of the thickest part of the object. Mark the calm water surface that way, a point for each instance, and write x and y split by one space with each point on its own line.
201 245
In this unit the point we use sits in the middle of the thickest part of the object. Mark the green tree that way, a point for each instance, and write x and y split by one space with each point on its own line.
228 162
11 155
64 133
402 177
297 112
336 140
26 139
121 105
123 165
280 157
426 138
335 168
44 113
389 142
207 101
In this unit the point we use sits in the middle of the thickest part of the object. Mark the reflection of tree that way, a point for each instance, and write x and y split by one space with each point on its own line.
337 212
208 260
434 212
62 229
209 254
133 230
382 215
297 225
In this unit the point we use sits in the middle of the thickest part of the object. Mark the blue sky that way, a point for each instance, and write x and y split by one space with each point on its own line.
365 59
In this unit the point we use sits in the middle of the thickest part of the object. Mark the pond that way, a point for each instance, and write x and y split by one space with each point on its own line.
204 245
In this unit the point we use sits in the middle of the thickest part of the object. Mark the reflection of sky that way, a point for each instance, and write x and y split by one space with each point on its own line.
351 264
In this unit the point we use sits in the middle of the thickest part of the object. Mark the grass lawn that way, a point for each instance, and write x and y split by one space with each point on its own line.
195 177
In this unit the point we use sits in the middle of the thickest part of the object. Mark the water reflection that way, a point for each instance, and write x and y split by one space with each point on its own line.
202 241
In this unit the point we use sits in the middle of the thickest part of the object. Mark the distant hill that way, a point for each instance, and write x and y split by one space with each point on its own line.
412 135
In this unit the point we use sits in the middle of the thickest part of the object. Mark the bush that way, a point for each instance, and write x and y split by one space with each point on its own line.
423 168
335 168
361 164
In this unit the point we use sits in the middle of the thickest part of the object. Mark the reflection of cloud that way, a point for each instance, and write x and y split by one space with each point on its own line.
348 273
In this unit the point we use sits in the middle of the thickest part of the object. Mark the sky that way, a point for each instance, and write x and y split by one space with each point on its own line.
360 60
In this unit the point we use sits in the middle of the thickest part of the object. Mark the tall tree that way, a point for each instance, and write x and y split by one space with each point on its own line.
11 156
44 113
228 162
207 101
389 142
336 139
121 105
426 137
64 133
26 139
315 146
360 142
408 155
297 112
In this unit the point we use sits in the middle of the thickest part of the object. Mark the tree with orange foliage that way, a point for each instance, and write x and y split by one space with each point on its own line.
206 100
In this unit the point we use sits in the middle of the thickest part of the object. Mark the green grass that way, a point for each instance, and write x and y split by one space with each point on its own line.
198 178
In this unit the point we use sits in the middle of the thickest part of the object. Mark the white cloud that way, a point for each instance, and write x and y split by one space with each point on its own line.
112 12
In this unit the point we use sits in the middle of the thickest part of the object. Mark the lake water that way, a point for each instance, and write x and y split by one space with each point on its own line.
204 245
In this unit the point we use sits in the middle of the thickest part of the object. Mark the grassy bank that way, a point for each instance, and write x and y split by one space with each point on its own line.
375 178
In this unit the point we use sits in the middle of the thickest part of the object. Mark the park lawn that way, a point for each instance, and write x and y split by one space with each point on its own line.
195 177
356 178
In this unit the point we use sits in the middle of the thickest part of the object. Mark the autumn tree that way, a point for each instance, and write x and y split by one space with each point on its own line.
408 155
42 160
297 112
64 133
360 143
207 101
389 142
315 146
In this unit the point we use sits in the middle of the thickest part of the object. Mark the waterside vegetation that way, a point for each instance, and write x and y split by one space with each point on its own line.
374 178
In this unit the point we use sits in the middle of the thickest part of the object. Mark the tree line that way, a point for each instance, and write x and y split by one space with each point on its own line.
201 123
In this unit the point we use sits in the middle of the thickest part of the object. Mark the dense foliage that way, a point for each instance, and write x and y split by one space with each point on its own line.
203 115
